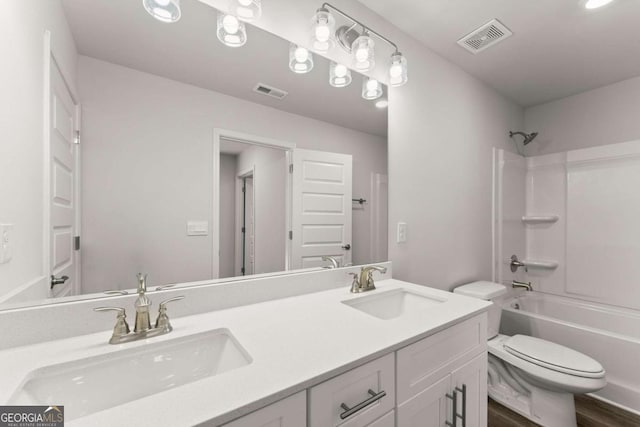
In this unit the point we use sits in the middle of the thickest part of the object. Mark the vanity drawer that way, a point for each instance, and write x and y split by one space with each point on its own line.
288 412
352 390
388 420
423 363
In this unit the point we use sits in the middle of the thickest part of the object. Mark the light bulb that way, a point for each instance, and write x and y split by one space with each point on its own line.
322 32
372 85
300 59
395 70
322 29
246 10
245 2
398 70
301 54
340 70
371 89
230 24
362 54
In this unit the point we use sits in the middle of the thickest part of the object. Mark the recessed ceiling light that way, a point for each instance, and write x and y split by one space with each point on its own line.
594 4
383 103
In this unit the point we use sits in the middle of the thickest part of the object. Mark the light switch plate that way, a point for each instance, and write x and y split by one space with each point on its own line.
197 228
6 243
402 233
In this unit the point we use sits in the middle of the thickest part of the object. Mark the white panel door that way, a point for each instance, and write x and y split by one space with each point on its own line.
470 382
62 186
430 408
321 208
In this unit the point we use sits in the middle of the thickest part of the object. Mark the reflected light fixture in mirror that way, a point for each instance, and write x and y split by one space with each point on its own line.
371 88
363 54
300 59
339 75
594 4
163 10
231 31
323 26
398 70
246 10
383 103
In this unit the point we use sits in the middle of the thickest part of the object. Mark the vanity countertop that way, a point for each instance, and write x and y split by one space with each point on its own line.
294 342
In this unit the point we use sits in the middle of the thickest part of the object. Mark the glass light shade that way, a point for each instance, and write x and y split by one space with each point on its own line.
371 88
362 53
300 59
231 31
398 70
163 10
323 28
246 10
339 75
594 4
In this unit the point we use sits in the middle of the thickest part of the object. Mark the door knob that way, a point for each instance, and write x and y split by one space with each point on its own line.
346 247
58 280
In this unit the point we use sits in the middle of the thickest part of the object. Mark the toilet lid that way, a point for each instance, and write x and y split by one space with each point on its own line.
553 356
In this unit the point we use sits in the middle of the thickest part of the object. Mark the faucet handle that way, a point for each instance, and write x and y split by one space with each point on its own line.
122 327
162 321
142 283
355 285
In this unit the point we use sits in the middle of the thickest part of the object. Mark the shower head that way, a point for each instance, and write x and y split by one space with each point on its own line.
528 137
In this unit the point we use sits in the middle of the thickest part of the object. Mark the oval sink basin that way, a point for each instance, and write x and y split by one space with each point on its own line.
96 383
392 304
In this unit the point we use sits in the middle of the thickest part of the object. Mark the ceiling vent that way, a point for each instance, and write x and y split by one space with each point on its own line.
270 91
486 36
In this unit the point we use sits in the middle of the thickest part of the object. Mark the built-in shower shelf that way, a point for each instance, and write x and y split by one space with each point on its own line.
541 264
540 219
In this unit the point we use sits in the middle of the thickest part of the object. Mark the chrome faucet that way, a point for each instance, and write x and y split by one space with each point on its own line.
334 262
364 282
142 327
525 285
516 263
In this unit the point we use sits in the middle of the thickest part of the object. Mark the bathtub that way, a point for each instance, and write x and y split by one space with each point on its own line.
609 334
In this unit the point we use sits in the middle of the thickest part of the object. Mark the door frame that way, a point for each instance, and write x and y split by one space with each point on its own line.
49 61
238 234
246 138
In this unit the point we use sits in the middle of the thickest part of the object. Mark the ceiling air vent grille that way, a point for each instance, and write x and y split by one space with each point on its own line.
486 36
270 91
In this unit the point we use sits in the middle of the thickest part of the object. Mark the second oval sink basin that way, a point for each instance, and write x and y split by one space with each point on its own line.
101 382
392 304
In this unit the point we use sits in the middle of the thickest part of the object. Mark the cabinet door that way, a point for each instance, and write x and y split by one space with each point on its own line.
429 408
470 382
289 412
388 420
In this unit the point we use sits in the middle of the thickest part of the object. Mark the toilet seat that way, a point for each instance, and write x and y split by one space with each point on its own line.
553 356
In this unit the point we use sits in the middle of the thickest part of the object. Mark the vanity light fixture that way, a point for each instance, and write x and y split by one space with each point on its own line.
398 70
594 4
300 59
231 31
163 10
371 89
339 75
355 38
363 54
246 10
323 26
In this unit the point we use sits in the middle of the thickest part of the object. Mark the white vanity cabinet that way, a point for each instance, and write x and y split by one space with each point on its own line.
443 374
422 384
289 412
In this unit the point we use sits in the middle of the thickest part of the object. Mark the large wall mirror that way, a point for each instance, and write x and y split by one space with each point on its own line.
188 170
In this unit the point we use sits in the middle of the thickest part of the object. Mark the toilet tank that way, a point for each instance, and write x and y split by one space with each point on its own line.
489 291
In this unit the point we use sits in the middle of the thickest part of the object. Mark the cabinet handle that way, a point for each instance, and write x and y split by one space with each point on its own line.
454 399
463 417
374 397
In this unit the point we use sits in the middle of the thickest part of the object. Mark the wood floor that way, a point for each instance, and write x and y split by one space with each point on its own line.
590 412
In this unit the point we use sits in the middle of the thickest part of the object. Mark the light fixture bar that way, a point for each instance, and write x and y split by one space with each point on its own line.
364 27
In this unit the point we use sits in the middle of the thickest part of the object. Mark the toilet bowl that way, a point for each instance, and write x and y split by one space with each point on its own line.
534 377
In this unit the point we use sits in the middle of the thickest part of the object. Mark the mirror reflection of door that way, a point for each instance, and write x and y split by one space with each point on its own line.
253 208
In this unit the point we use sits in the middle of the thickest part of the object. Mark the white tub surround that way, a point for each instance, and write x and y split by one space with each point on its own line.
608 334
294 343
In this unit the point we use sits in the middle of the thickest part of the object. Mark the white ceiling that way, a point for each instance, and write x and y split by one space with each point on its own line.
121 32
558 49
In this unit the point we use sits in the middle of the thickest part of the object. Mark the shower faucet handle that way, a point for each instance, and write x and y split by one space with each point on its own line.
516 263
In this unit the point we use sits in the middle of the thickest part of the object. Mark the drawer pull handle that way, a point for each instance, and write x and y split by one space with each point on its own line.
454 399
374 397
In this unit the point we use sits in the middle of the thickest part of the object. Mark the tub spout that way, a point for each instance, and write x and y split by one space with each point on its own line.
525 285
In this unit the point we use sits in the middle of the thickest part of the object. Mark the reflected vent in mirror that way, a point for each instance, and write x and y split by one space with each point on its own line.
270 91
486 36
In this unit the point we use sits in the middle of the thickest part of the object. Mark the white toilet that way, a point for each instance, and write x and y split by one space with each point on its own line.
532 376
